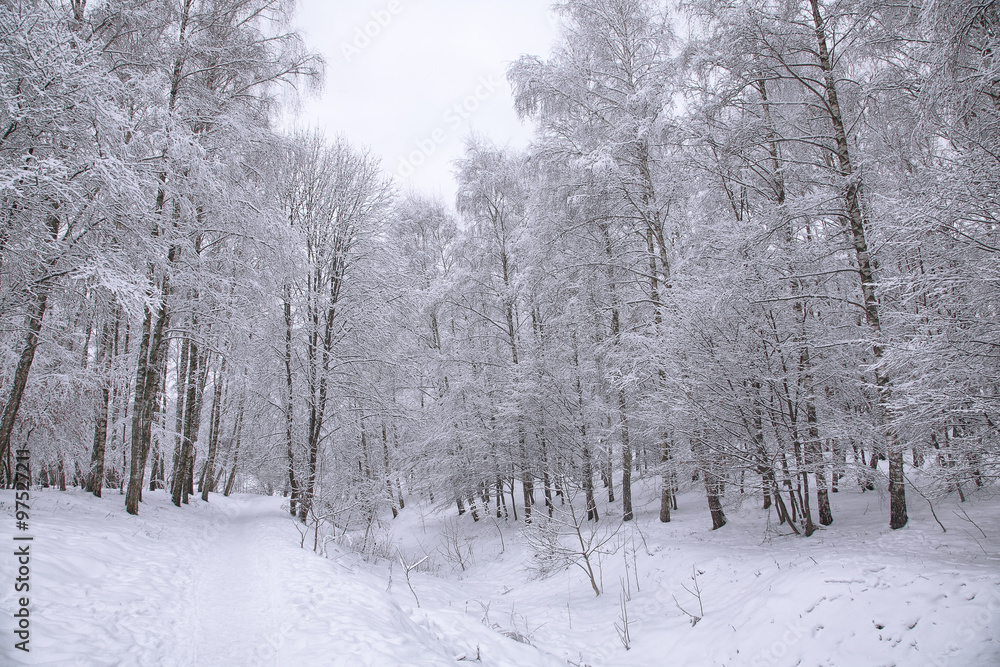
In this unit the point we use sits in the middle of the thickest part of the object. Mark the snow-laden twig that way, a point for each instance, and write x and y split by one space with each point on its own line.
623 629
503 547
921 494
697 594
407 568
969 519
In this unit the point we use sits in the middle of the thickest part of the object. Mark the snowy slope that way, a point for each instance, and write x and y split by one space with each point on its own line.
225 583
853 594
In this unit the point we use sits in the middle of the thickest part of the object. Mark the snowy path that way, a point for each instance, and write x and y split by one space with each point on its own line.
207 585
238 592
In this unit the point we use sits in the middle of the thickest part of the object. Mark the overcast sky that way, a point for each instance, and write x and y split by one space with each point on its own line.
411 78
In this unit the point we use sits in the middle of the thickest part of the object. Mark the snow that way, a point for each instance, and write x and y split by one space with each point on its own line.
222 583
226 583
854 593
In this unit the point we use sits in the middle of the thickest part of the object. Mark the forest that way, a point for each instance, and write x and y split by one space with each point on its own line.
753 249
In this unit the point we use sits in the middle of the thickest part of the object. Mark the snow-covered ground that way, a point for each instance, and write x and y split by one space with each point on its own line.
225 583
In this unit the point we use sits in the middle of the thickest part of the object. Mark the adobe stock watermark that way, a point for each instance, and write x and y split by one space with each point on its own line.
365 34
454 118
794 633
976 628
22 551
968 632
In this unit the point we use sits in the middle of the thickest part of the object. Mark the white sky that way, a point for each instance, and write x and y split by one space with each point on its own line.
426 74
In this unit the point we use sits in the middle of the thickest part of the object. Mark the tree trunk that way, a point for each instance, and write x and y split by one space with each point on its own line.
147 383
626 459
855 219
546 478
61 468
587 465
213 435
803 481
815 461
501 498
527 483
192 422
33 324
78 7
388 474
183 365
154 473
513 499
666 478
812 454
714 502
189 476
105 356
237 434
289 406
